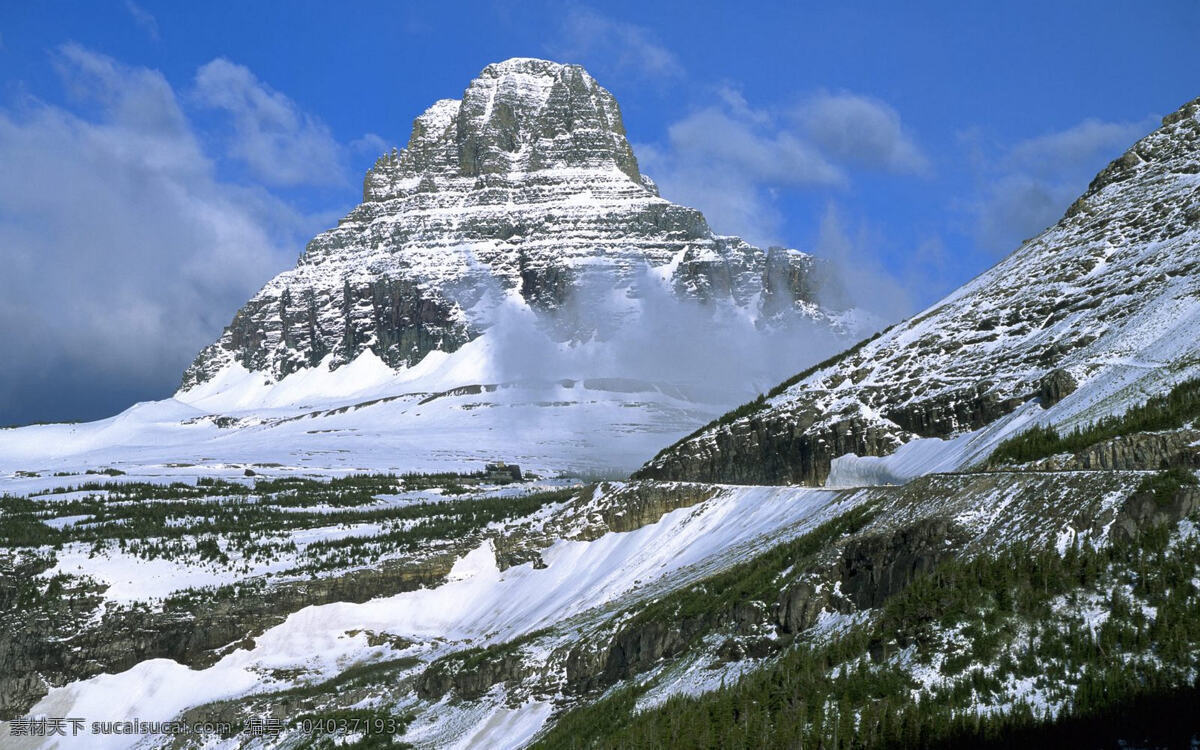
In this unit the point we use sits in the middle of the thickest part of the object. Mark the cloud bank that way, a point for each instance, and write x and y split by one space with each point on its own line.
143 18
124 251
616 47
860 130
280 144
638 328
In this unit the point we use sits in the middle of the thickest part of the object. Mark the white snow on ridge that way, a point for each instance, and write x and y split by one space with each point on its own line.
922 456
236 389
130 578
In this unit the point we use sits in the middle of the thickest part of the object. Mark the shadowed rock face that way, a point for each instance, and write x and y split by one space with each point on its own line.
1057 385
1142 511
32 657
876 567
1141 451
1090 316
522 184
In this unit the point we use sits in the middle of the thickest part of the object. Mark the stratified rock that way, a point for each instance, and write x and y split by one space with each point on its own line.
1141 451
1056 385
523 184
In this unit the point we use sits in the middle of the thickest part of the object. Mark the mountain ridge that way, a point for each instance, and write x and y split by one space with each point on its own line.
1063 319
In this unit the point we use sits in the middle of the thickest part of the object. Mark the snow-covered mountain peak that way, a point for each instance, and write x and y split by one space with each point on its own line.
525 185
520 120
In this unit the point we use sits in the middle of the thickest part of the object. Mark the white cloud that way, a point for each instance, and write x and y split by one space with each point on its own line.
1077 147
727 161
615 46
138 99
371 144
732 203
124 252
143 19
855 251
731 159
1027 186
763 154
280 144
735 101
860 130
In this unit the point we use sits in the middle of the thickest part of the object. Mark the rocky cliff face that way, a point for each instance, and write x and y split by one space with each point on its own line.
519 186
197 634
1089 317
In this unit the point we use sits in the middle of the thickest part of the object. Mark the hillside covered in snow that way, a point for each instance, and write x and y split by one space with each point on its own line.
313 543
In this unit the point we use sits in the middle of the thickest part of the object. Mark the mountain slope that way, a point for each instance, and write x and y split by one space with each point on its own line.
1089 317
922 598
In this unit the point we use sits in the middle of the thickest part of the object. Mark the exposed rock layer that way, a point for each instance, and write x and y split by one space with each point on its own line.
527 184
1142 451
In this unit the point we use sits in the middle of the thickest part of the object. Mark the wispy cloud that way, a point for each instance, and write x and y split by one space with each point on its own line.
760 153
613 46
1026 187
857 249
860 130
1056 154
730 159
369 143
143 18
726 161
279 143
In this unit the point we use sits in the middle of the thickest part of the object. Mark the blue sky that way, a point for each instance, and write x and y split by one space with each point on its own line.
159 161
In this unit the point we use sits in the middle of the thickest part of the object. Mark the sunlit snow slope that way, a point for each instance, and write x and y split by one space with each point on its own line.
449 413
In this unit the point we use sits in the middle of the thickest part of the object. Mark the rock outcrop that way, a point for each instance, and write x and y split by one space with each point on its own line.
1144 510
875 567
1141 451
33 658
1056 385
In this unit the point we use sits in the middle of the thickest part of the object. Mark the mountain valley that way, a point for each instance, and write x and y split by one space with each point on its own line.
978 527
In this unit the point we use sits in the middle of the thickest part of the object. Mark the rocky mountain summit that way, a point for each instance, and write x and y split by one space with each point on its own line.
523 185
1096 312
